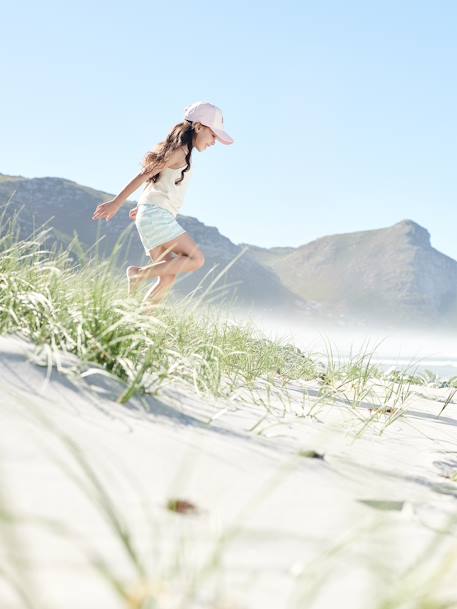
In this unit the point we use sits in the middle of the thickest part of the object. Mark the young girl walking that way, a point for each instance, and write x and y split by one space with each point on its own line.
166 171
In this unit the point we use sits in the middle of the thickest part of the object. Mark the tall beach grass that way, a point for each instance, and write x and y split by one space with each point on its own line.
70 300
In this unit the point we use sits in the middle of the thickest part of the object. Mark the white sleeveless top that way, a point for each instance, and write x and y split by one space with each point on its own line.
165 193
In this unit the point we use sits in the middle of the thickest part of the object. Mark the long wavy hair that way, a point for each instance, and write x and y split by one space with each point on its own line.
182 134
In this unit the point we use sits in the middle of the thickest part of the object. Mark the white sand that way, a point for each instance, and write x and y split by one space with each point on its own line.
296 522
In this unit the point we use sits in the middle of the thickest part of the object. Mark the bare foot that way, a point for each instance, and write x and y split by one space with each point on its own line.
133 279
137 274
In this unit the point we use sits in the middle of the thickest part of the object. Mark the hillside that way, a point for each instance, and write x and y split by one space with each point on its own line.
389 272
68 206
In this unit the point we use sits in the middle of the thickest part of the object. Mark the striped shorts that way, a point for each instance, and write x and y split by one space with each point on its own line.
156 226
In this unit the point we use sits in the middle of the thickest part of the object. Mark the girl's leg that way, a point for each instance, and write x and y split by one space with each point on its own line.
134 276
160 289
188 259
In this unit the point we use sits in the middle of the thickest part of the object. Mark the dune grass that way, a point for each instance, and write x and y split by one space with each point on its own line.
72 301
80 308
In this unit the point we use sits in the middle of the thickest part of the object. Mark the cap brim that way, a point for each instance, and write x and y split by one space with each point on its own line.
223 137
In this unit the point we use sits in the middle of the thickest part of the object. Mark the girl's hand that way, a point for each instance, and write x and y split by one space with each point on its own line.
133 212
106 210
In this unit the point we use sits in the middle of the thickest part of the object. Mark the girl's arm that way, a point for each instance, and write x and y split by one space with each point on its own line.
133 185
110 208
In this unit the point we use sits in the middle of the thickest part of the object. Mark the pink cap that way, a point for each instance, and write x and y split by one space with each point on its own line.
209 115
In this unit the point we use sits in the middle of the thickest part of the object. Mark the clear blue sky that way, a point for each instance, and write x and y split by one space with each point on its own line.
343 113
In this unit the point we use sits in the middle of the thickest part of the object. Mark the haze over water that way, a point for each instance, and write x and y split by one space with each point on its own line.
392 347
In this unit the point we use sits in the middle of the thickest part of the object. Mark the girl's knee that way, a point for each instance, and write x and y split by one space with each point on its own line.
199 260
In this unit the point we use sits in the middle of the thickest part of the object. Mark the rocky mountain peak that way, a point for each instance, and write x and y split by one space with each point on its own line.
413 232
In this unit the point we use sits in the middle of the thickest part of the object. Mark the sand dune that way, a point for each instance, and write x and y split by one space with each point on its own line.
283 530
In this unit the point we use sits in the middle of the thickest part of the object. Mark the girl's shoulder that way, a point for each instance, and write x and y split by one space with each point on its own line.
177 159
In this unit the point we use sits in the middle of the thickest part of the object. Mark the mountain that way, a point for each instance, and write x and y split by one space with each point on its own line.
390 272
267 256
68 206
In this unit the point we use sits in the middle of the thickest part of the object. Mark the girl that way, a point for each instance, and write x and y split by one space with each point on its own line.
166 171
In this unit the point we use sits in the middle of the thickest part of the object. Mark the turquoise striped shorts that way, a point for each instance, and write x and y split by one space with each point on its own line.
156 226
